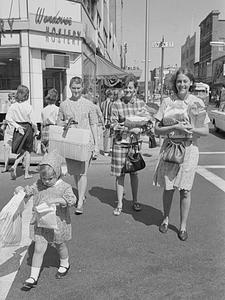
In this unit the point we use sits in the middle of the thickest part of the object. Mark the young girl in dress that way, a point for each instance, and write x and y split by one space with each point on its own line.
51 191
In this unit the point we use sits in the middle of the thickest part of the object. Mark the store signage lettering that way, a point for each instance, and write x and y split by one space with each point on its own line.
62 35
41 18
10 22
56 34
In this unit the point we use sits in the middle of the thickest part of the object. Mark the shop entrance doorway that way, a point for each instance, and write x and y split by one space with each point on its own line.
54 79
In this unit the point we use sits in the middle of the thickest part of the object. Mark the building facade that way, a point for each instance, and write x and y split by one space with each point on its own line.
43 44
190 52
211 29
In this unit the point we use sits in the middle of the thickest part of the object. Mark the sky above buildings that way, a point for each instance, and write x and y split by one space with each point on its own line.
173 19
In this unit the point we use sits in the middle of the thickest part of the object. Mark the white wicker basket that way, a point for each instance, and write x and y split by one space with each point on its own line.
73 146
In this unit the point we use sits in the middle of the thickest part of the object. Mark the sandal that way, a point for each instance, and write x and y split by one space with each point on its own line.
117 211
59 275
136 206
29 285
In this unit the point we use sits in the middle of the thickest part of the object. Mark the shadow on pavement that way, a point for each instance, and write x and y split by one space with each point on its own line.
148 215
13 263
50 256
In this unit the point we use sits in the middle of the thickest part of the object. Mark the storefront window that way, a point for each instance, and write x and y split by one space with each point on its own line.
9 69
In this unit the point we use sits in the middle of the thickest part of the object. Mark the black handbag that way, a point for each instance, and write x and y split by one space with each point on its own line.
174 152
152 141
134 160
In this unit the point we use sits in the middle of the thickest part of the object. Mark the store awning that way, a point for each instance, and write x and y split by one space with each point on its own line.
106 69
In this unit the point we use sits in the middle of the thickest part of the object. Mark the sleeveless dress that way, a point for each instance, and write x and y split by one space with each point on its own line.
170 175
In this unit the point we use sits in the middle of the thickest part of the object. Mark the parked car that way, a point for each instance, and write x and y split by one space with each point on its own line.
217 117
202 91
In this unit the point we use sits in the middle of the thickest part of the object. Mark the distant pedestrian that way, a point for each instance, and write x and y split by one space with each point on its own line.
51 221
49 117
8 135
175 121
20 115
106 107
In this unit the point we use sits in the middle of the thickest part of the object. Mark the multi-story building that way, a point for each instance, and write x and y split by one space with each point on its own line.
190 52
211 29
43 44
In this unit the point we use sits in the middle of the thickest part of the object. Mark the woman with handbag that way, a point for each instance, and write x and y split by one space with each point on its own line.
129 105
179 153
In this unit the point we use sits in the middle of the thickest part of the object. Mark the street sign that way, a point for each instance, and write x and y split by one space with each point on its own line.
162 44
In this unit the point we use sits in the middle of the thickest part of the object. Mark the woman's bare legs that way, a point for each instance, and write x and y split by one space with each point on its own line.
120 190
185 202
7 150
134 186
167 201
27 165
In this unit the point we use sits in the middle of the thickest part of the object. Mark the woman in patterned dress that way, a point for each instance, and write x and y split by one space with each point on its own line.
84 113
129 105
173 176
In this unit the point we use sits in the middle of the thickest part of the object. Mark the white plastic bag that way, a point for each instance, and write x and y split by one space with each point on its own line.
11 221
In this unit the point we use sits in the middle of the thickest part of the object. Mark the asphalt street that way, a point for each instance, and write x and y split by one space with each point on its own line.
126 257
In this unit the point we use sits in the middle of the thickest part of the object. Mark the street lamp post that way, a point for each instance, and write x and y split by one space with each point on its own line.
146 49
162 44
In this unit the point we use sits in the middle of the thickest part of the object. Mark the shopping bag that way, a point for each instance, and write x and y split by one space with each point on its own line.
46 216
75 145
11 221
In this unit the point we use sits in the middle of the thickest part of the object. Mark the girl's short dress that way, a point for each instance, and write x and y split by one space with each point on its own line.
41 193
170 175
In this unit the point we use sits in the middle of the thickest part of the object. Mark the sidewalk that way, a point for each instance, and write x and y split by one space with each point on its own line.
148 153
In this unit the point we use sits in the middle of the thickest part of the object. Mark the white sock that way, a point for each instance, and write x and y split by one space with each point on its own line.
64 263
34 273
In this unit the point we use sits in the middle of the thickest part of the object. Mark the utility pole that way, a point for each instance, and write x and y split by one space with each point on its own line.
162 68
163 44
146 49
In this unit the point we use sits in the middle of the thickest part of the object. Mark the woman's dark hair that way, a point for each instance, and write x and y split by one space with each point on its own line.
185 72
76 79
23 92
131 78
52 96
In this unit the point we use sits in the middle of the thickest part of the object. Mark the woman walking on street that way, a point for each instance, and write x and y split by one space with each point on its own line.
83 112
181 118
49 117
20 116
124 107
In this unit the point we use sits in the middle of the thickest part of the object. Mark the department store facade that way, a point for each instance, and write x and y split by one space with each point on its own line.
43 45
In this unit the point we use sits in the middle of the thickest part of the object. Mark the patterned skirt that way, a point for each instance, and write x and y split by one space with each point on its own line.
170 175
119 154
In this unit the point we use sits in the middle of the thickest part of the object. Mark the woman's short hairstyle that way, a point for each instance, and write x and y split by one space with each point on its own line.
52 96
109 92
131 78
186 72
76 79
23 92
